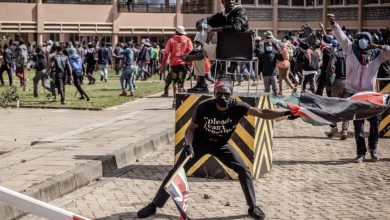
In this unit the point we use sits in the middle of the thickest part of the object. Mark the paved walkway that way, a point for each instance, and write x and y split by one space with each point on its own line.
67 145
313 177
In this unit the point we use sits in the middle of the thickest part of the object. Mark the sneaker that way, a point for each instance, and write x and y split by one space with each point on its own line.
332 132
147 211
123 94
359 158
374 156
344 135
256 213
164 95
101 78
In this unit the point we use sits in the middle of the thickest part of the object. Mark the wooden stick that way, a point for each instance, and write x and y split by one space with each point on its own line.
177 170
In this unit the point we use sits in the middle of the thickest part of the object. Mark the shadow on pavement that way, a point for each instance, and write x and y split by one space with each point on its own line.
158 109
132 215
153 172
305 137
326 162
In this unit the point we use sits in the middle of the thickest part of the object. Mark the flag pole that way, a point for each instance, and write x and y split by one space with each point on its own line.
177 170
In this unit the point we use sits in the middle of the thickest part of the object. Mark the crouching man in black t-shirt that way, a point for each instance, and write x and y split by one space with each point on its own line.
208 133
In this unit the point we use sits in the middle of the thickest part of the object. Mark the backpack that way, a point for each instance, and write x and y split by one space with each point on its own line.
76 64
144 54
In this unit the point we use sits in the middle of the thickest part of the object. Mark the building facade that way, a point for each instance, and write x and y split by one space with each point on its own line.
122 20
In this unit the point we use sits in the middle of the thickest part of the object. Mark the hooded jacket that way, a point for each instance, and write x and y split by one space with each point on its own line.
234 21
177 46
361 66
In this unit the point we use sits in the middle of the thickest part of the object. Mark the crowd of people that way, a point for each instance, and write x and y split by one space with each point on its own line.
58 64
335 64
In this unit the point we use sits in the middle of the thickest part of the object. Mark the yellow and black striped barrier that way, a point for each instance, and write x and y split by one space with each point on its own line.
252 138
384 126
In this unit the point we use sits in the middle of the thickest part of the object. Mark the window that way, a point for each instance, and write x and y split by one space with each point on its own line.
264 2
126 39
283 2
54 37
371 1
309 2
336 2
297 2
248 2
319 2
74 37
351 2
108 41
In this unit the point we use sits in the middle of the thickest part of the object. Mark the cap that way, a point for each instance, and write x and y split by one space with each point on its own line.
268 34
181 30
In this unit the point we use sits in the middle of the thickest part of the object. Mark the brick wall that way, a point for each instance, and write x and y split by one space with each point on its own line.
344 13
376 13
299 14
259 14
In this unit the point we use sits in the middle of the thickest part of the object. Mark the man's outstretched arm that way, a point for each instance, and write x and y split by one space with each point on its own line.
267 113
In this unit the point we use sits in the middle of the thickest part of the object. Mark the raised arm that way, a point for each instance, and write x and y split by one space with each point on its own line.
267 113
345 43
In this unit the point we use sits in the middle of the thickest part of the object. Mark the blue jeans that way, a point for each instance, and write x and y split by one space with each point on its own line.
372 138
127 78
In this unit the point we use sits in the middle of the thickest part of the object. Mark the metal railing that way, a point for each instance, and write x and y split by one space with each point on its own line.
86 2
146 7
188 8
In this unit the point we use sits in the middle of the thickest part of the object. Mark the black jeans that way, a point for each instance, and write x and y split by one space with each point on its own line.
89 72
308 79
60 85
77 84
226 154
6 68
372 138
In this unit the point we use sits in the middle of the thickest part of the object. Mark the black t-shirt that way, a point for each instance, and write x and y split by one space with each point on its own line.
218 125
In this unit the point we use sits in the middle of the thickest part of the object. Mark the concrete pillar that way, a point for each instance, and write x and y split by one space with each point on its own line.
40 19
217 6
360 15
179 15
324 13
275 17
114 39
115 25
40 38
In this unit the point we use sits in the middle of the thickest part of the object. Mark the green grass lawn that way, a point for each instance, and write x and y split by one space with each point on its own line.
102 94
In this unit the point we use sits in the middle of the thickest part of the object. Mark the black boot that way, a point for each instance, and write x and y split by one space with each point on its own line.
200 87
147 211
256 213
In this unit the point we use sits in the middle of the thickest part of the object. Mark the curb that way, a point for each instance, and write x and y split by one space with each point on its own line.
55 107
78 177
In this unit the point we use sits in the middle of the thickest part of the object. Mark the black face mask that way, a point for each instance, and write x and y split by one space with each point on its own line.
222 102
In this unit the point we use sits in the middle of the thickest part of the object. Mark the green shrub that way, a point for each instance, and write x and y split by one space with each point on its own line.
8 96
